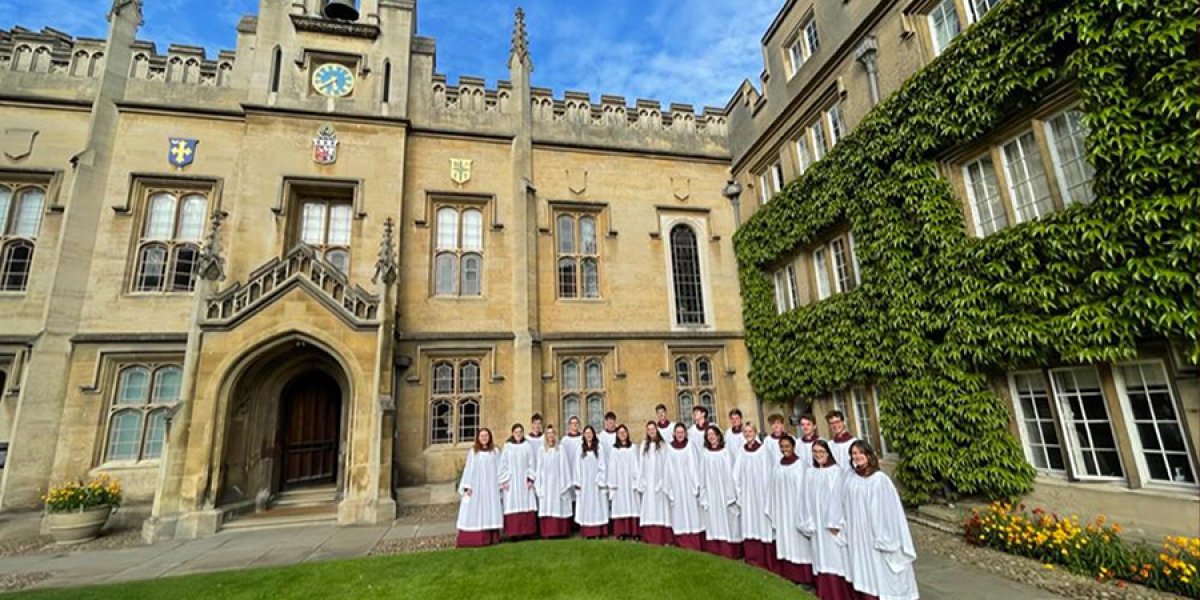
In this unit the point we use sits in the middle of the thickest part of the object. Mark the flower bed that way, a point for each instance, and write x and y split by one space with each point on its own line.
1092 549
78 496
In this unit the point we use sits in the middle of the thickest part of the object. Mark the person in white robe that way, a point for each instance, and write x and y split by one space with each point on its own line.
820 506
519 499
591 504
734 440
665 426
480 512
875 529
534 437
572 444
841 441
792 549
654 514
772 440
698 429
808 435
608 436
720 513
751 476
621 476
683 490
553 484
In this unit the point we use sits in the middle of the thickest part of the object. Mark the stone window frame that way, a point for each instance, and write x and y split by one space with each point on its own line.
173 246
966 13
585 389
678 262
686 373
21 189
575 255
458 252
456 399
146 410
827 275
297 192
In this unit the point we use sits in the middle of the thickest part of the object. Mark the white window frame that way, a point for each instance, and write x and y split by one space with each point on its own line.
933 29
837 124
1070 440
1136 438
821 273
1029 160
817 131
973 11
973 200
809 47
1021 417
764 188
1057 160
803 154
776 171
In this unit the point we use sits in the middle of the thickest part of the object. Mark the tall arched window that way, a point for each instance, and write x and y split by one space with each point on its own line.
686 278
21 207
169 248
458 252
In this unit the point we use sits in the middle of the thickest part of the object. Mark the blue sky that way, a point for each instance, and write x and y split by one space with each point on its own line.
694 52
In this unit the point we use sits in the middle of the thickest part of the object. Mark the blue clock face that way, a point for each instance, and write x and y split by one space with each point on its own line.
333 80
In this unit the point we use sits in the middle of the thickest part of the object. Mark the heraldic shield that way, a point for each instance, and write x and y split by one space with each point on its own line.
460 170
181 151
325 146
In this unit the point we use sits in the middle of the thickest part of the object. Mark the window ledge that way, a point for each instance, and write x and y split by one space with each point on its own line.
1159 490
448 448
459 298
583 300
109 467
11 294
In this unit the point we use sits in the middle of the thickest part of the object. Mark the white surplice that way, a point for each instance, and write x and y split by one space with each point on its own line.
520 462
720 513
537 443
683 489
553 483
623 470
819 512
482 509
771 445
606 443
573 447
591 505
655 508
734 440
880 549
667 433
841 451
695 436
804 450
751 476
783 509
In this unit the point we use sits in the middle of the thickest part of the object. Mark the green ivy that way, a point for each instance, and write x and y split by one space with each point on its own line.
940 312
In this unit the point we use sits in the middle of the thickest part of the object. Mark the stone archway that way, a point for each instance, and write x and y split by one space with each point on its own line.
286 427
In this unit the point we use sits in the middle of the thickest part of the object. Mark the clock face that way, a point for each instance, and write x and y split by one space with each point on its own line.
333 80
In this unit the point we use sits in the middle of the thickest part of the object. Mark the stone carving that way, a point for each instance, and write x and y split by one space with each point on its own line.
18 143
386 269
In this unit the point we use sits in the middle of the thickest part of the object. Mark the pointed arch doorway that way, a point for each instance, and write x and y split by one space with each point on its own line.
309 431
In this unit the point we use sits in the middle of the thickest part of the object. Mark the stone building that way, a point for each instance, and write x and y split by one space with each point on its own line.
1118 438
311 267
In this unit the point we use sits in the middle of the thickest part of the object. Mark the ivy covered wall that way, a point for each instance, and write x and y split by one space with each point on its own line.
940 311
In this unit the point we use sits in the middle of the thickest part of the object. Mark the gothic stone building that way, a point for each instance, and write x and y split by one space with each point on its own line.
312 263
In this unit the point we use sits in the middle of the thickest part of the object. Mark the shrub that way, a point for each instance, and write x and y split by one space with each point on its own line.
78 496
1095 549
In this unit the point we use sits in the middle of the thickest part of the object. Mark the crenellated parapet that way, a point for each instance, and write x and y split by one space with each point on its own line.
614 112
470 95
182 64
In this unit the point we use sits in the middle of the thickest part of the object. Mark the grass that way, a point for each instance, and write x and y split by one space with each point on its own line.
544 569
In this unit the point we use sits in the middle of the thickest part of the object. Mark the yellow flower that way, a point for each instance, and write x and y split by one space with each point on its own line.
1048 567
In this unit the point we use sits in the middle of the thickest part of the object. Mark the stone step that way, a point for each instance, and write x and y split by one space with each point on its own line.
291 516
306 496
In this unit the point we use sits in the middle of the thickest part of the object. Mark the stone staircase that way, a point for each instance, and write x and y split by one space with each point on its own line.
290 508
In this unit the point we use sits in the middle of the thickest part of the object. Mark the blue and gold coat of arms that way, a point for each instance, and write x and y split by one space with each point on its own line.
181 151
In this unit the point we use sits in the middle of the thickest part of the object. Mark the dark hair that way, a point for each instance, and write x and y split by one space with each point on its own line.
515 427
702 410
628 439
657 438
775 418
491 445
676 428
737 412
662 407
574 418
536 417
789 439
593 447
835 413
872 460
828 452
809 417
720 437
610 415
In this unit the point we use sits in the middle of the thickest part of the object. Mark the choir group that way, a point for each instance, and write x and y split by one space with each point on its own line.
815 511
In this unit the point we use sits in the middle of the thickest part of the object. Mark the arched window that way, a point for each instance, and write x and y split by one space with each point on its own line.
444 274
595 375
566 278
470 274
124 435
595 411
79 64
15 266
28 214
456 401
469 377
137 423
191 71
152 268
458 266
685 272
685 405
468 420
570 375
694 382
443 378
582 390
571 407
96 65
591 278
21 209
683 372
172 228
704 371
440 431
578 255
174 69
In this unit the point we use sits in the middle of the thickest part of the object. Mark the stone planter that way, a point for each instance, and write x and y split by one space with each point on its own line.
77 527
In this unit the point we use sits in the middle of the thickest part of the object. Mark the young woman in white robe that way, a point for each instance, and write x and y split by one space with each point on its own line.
880 548
792 549
553 485
734 440
683 490
654 513
480 514
518 497
776 433
751 474
808 435
841 441
822 499
718 498
591 504
624 468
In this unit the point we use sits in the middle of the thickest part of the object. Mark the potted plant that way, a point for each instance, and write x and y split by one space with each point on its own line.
77 511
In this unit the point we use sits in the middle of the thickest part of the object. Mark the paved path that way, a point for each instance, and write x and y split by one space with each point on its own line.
940 578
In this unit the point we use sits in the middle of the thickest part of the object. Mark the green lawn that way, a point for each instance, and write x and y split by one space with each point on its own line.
559 569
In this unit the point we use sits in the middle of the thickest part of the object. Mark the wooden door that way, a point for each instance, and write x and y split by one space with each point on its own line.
310 425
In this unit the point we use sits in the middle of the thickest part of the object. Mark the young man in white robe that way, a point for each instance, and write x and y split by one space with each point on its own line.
751 476
808 435
654 515
683 490
623 471
842 440
591 504
792 549
699 427
553 484
534 436
519 460
874 527
734 440
665 426
480 513
718 498
820 506
776 433
608 436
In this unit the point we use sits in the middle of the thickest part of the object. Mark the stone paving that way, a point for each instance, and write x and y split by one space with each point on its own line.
940 578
